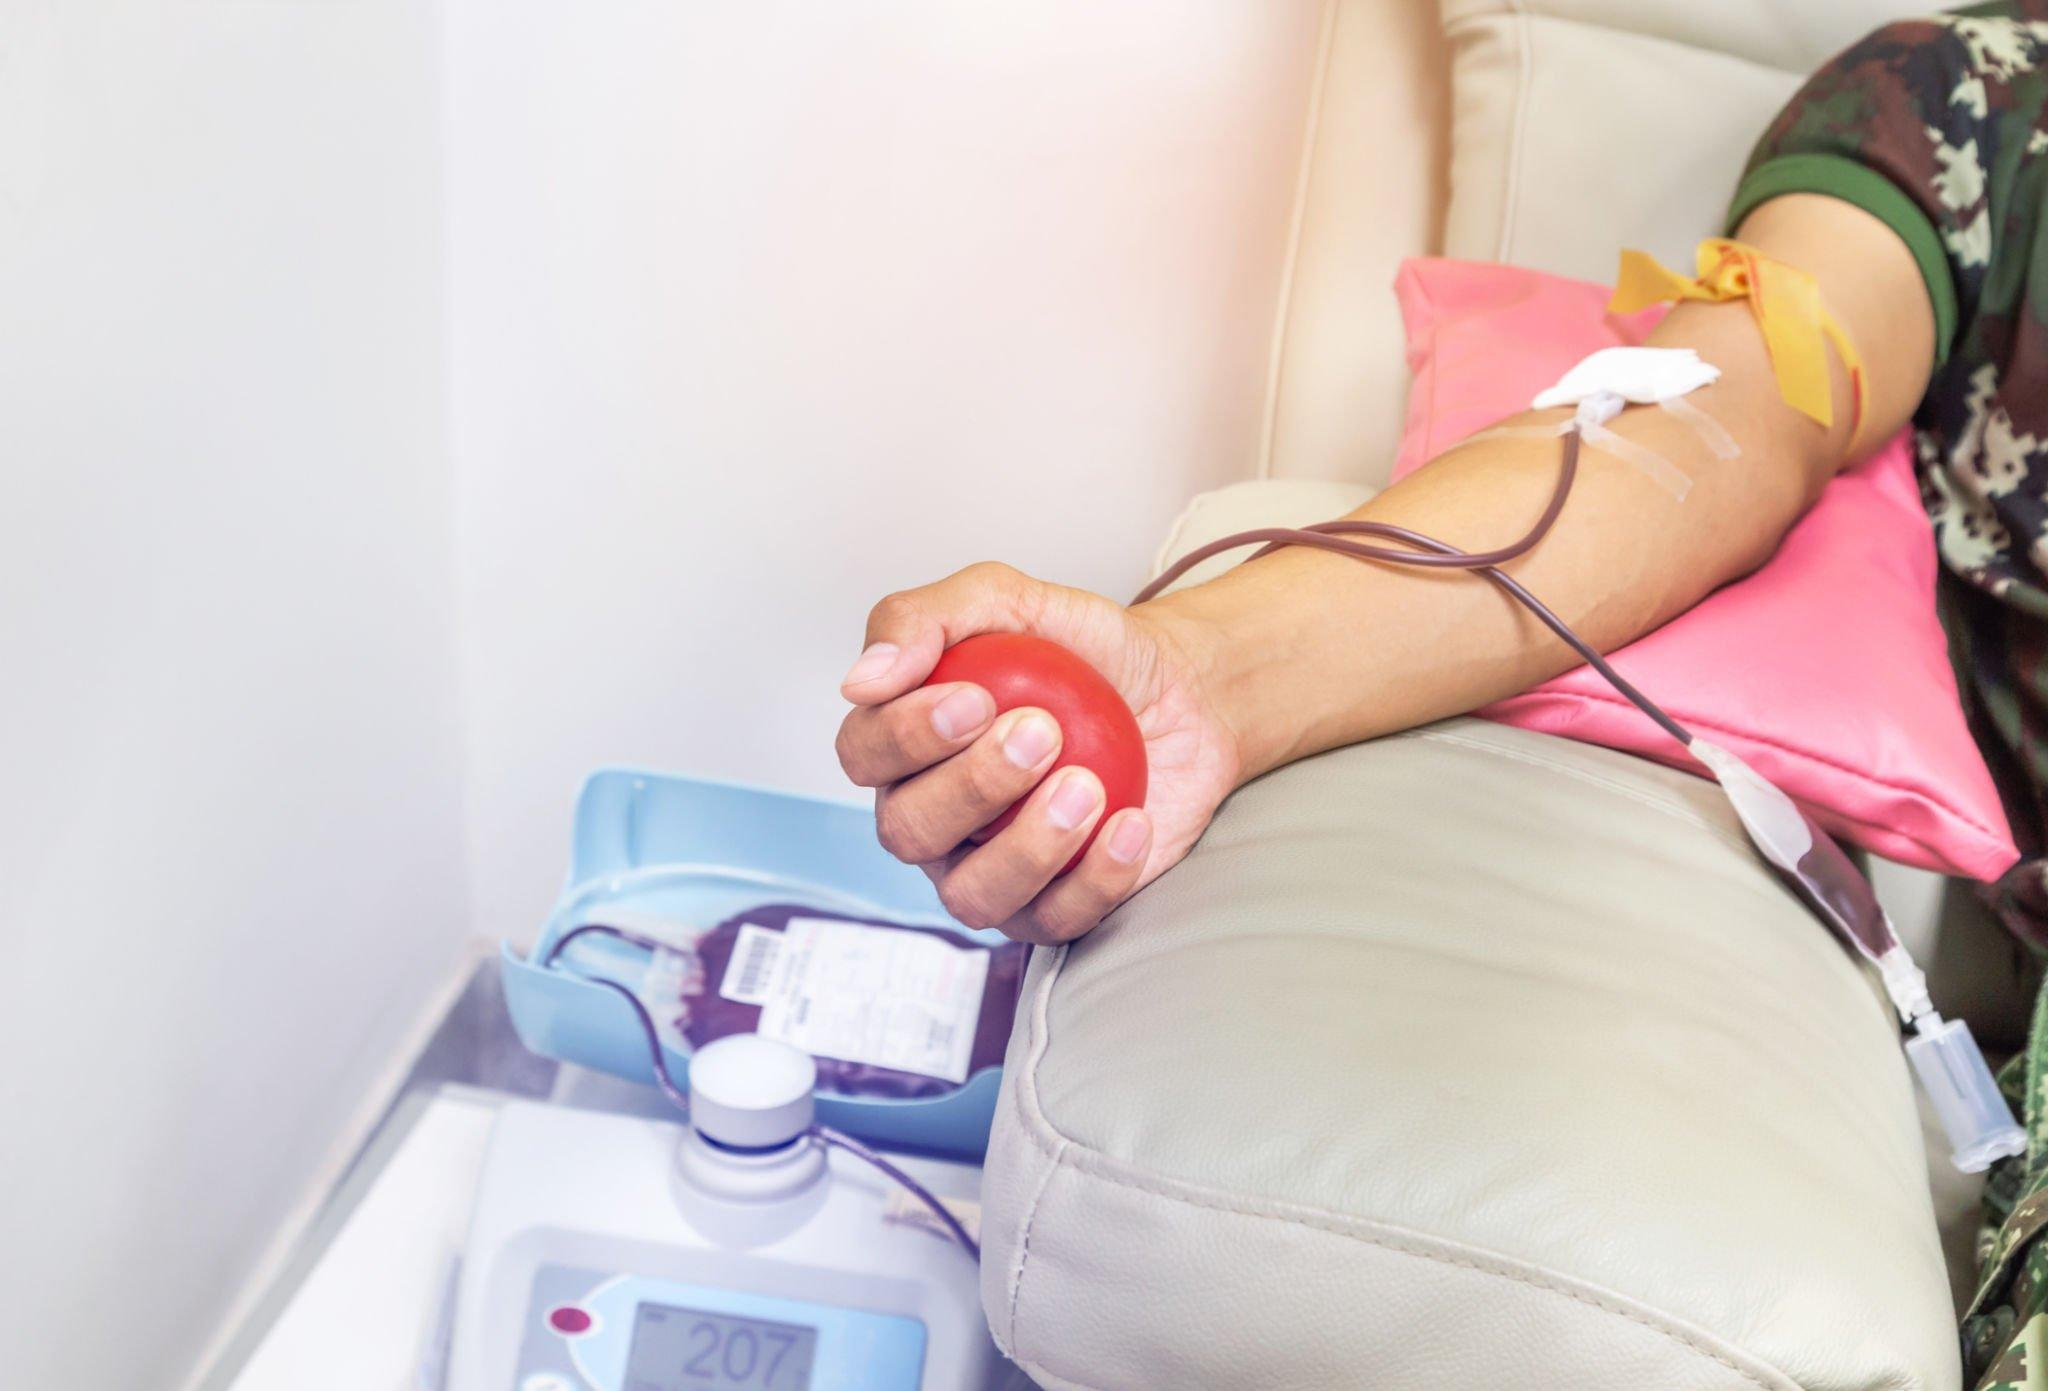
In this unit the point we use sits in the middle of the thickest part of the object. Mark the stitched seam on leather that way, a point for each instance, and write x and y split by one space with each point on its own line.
1513 10
1312 129
1517 121
1799 70
1024 1241
1041 1034
1099 1166
1525 69
1675 810
1062 1149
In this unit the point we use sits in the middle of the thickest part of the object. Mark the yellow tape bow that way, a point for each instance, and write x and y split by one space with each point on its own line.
1786 303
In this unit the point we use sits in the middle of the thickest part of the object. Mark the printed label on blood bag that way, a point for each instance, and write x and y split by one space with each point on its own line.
906 1001
752 962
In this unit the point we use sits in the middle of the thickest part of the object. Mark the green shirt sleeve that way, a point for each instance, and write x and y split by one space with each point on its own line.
1837 176
1933 126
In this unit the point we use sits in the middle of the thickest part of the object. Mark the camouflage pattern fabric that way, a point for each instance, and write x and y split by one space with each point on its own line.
1951 112
2005 1329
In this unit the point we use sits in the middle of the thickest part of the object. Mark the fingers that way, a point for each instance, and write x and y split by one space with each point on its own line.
1075 902
947 767
881 744
993 883
1015 881
907 631
925 817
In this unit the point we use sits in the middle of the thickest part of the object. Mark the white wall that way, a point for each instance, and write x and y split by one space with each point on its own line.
229 826
406 408
760 309
1376 176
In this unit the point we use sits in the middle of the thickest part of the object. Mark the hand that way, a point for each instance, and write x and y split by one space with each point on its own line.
944 765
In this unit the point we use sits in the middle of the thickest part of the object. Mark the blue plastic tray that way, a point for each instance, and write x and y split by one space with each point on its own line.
702 851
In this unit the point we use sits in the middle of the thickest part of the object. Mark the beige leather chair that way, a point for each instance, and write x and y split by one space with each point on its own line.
1470 1056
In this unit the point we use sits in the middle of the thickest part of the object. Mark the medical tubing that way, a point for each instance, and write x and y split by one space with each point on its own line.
1558 626
646 944
1446 558
662 1079
824 1135
1326 536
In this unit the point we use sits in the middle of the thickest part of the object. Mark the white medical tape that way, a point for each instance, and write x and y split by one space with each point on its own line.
1599 383
1710 430
1659 469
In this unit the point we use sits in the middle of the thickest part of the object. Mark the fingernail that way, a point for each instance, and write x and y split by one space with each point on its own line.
875 661
966 709
1074 800
1030 741
1127 839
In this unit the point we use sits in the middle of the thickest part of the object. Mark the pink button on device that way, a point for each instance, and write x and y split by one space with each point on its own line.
569 1321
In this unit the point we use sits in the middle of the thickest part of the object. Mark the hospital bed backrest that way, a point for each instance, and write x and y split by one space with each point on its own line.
1546 133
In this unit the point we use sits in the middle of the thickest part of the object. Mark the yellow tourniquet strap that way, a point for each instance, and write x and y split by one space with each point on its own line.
1786 302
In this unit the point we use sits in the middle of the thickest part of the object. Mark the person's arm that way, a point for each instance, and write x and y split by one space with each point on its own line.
1302 650
1306 650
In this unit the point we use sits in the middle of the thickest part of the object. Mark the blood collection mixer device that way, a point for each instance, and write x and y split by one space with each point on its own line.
732 1253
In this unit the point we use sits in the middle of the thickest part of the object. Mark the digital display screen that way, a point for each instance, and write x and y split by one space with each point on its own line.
694 1350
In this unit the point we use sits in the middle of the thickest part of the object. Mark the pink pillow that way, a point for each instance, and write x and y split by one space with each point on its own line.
1826 668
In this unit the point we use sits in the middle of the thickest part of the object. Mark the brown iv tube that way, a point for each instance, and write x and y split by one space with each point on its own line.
1435 554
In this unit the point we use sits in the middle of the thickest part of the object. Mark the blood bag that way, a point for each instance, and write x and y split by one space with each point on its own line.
888 1010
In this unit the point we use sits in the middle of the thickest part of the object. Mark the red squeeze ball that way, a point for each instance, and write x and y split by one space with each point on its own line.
1097 729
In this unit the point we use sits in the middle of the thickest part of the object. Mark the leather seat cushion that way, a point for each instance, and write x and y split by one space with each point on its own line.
1460 1055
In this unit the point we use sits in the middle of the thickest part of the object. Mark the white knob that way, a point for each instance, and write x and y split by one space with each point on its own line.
751 1092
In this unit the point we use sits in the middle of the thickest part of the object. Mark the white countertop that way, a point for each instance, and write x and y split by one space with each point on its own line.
365 1314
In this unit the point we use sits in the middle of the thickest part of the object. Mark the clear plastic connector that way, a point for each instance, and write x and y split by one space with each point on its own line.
1966 1098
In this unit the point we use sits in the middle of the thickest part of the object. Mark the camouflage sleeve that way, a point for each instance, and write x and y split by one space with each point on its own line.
1924 124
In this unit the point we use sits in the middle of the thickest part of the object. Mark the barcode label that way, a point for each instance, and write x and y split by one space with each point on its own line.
863 993
752 964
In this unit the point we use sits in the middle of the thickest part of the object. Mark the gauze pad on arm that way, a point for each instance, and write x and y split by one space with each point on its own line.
1643 376
1604 381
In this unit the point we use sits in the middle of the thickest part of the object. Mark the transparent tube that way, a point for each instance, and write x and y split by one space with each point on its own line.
1945 1057
1964 1094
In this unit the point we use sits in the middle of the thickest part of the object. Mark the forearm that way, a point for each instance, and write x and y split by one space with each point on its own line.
1305 650
1309 650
